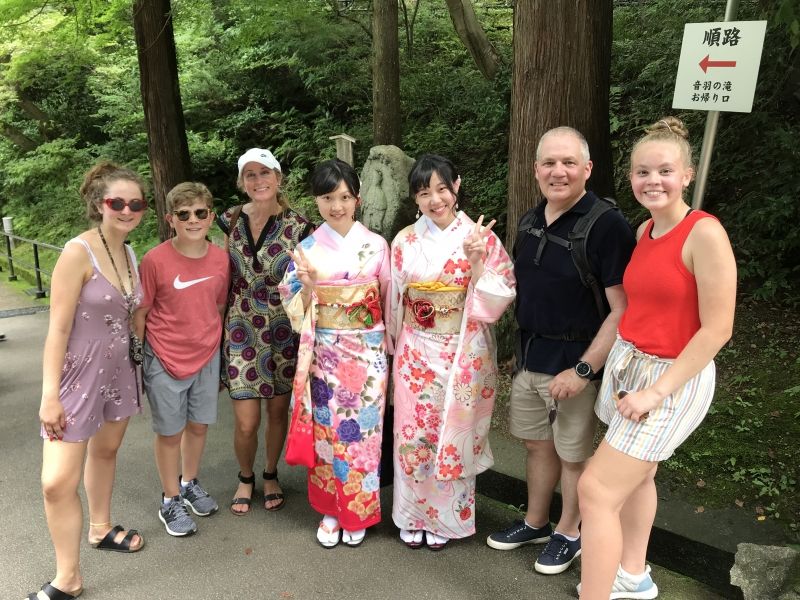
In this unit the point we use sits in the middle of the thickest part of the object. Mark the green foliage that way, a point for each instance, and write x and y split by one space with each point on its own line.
746 448
287 75
751 209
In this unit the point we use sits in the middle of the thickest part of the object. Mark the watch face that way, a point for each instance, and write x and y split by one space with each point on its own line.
583 369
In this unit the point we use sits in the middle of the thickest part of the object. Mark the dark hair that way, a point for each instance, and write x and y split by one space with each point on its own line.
96 182
424 168
329 174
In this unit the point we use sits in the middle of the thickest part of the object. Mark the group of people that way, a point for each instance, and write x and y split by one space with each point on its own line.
328 317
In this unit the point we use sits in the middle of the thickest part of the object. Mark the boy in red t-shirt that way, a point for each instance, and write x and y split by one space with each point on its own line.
185 285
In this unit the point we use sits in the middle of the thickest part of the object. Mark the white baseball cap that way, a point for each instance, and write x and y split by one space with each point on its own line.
260 156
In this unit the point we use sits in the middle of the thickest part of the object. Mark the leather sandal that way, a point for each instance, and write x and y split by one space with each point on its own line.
251 480
53 593
276 496
124 545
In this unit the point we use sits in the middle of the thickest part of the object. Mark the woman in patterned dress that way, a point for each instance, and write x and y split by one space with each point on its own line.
333 293
260 347
89 384
451 279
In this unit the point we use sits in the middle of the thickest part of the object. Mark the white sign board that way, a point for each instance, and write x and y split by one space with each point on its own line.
719 65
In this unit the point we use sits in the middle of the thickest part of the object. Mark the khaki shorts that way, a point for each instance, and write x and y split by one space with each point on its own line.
572 430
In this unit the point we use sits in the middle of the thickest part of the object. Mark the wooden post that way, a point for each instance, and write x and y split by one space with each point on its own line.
344 147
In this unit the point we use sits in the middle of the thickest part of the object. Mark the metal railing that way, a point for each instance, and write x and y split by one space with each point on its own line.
40 291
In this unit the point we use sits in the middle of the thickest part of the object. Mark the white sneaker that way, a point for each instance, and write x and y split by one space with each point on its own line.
624 588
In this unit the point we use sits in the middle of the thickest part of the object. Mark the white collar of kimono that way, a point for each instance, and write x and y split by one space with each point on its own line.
338 237
433 228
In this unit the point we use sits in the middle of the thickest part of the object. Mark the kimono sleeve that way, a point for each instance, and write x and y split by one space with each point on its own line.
495 289
291 298
385 282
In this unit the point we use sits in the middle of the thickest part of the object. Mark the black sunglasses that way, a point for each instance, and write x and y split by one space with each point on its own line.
118 204
184 215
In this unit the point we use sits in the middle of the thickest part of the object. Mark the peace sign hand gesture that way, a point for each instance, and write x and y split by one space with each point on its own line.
306 273
475 245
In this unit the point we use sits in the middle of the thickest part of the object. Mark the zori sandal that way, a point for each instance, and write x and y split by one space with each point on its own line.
328 537
124 545
353 538
53 593
251 481
412 538
276 496
435 542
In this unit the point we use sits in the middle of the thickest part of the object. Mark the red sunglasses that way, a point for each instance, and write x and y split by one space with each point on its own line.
118 204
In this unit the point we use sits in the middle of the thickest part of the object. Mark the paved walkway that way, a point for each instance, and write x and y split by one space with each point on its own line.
263 555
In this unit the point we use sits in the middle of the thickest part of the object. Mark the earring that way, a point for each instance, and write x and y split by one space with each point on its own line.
418 214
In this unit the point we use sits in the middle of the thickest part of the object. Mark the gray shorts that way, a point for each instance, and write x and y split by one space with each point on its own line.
175 402
573 429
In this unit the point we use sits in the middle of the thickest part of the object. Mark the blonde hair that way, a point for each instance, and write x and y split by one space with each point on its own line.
187 193
96 181
669 129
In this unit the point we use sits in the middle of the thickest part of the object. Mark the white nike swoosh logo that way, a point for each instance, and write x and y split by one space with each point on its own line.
180 285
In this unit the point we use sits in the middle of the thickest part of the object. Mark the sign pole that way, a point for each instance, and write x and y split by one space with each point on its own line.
712 121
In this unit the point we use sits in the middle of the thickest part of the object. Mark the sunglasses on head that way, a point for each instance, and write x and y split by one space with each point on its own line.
118 204
185 214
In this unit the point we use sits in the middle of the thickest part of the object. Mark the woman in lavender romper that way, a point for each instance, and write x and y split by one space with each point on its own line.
89 383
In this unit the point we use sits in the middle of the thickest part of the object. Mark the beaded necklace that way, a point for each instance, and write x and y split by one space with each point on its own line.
127 296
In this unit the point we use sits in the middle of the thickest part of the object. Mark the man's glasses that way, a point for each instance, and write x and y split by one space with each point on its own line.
118 204
185 215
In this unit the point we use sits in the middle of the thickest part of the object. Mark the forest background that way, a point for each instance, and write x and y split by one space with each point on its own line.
287 74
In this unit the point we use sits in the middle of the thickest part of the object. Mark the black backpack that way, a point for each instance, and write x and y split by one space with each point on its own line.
576 244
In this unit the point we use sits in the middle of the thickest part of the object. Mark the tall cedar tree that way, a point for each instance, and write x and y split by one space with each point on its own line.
561 76
385 74
161 97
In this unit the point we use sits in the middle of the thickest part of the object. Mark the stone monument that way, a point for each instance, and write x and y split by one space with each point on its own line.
387 207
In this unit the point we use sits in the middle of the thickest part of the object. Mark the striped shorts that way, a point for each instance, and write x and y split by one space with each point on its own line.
668 425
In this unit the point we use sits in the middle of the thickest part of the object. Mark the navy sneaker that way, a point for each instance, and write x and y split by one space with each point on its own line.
558 555
519 534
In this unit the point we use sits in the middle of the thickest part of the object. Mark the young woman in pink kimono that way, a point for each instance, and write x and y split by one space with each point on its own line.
451 279
333 293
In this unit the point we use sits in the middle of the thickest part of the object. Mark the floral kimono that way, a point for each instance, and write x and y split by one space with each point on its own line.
342 372
444 372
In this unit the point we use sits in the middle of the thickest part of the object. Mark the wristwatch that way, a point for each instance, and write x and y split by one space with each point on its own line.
584 369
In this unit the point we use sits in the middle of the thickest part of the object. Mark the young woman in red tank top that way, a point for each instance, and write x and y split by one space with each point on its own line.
659 377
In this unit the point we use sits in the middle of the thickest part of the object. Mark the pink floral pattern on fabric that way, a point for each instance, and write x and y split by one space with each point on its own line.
444 384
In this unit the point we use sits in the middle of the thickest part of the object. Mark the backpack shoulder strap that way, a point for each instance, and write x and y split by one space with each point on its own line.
579 237
527 226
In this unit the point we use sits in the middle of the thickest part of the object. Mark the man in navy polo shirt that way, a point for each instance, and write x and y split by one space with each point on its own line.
564 343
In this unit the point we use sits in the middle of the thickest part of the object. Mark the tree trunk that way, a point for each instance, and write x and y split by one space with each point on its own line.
473 37
385 74
561 76
161 97
17 137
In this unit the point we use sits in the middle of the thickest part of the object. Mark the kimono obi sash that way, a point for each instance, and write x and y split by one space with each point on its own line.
356 306
434 307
